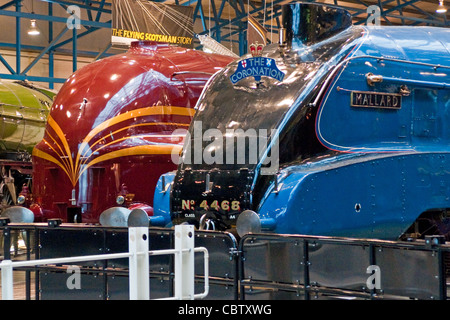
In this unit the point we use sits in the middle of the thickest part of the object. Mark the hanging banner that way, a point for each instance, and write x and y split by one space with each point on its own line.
146 20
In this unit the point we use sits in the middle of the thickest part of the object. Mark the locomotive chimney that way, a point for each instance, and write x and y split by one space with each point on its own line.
305 24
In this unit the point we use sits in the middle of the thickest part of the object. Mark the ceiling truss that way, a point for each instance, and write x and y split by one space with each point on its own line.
223 20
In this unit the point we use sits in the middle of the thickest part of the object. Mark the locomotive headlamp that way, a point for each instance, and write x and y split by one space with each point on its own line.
120 200
21 199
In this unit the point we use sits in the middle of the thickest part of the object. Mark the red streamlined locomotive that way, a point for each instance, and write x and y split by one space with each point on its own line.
109 133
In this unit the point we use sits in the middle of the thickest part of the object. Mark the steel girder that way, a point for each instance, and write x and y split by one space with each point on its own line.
223 20
391 12
95 10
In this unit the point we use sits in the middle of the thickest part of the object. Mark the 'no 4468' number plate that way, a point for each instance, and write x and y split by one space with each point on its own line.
225 205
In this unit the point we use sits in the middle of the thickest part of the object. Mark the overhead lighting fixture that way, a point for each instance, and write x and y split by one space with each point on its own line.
441 8
33 30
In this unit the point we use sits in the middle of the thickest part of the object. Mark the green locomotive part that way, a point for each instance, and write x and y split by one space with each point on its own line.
24 108
23 115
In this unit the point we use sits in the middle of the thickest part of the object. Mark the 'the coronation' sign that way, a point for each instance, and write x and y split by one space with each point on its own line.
257 67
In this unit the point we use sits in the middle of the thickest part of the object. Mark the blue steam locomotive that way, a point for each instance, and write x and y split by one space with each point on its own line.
337 130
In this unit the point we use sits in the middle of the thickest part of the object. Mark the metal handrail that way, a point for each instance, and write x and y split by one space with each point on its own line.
7 267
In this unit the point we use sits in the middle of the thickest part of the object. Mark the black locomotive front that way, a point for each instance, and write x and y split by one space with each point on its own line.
245 130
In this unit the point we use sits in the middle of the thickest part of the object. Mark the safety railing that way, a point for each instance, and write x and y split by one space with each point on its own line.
317 267
138 255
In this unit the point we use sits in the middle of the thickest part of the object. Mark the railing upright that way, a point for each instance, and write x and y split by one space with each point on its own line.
138 263
138 255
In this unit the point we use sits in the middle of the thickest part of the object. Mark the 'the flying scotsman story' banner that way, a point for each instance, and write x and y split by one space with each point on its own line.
146 20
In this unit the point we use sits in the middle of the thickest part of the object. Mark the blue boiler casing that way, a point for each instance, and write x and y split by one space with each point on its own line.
360 125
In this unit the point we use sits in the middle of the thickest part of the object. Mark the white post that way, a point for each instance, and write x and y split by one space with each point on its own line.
139 278
7 280
184 262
